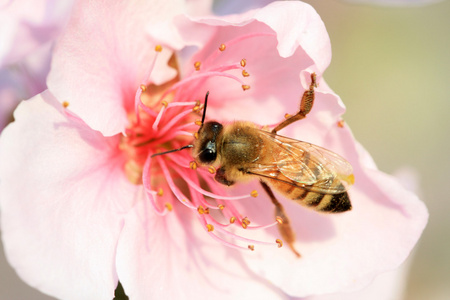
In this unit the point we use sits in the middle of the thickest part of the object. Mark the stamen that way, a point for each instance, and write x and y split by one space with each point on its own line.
198 76
254 193
206 193
65 104
232 220
197 65
178 194
243 62
137 99
168 206
160 192
245 222
193 165
221 206
341 123
279 242
262 226
200 210
245 73
151 195
222 47
251 247
209 227
245 87
211 170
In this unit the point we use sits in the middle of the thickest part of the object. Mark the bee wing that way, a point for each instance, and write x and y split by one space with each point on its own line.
311 167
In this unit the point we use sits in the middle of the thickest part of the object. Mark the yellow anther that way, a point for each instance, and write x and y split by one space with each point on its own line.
279 242
206 211
196 135
209 227
212 170
251 247
196 108
254 193
341 123
160 192
245 73
200 210
158 48
350 179
193 165
245 221
197 65
198 122
244 225
65 104
222 47
164 103
232 220
279 220
243 62
245 87
221 206
143 87
168 206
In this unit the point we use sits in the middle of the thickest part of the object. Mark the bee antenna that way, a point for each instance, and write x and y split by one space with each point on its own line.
204 109
174 150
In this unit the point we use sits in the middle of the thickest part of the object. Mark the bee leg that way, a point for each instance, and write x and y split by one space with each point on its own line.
220 177
305 106
284 227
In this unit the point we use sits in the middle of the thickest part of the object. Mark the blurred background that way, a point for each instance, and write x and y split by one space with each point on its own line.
391 68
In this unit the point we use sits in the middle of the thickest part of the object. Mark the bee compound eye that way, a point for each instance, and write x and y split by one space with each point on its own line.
207 156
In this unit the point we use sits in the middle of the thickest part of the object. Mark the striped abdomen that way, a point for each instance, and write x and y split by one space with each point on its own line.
319 201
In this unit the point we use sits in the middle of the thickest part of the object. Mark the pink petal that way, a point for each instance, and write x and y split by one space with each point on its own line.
389 285
103 57
274 75
24 27
172 257
60 223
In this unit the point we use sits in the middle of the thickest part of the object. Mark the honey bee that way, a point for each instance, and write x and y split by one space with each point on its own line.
305 173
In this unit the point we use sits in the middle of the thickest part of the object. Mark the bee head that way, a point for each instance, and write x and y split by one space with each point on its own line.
205 148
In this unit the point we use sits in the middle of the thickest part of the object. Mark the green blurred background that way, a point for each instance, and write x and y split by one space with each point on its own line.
391 68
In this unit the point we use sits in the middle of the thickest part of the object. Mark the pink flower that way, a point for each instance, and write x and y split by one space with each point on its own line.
84 205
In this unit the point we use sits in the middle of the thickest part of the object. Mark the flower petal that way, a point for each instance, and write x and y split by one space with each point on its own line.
274 74
172 257
63 195
103 56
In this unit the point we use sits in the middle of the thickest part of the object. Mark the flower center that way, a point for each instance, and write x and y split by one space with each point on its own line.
165 119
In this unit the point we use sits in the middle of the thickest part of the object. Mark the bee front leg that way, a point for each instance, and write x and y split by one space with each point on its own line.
222 178
305 106
284 227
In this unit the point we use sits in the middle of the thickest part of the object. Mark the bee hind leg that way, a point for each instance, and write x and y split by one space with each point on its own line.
284 227
305 106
